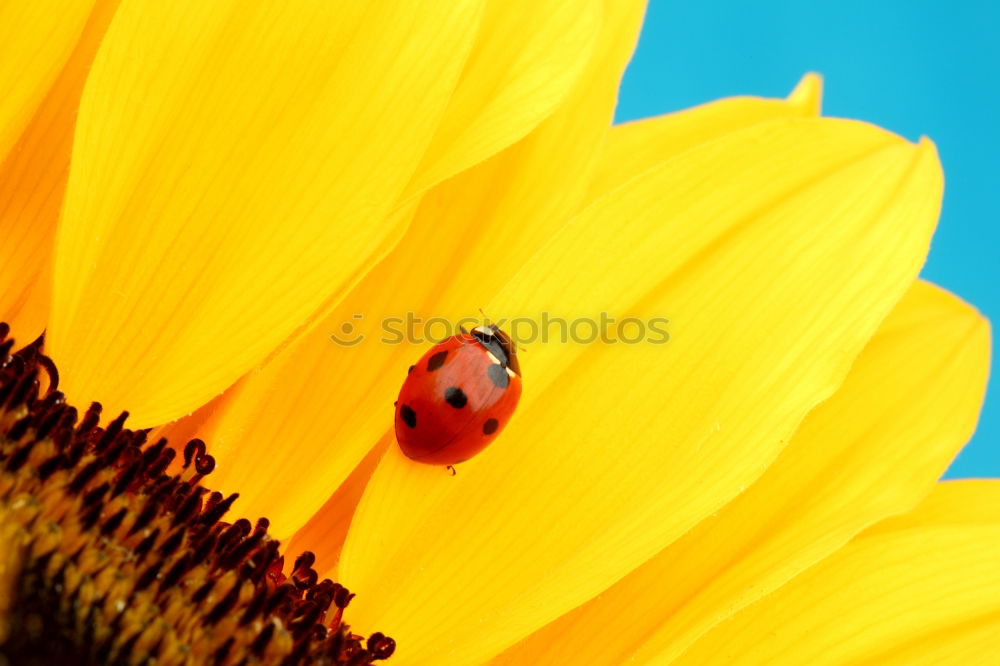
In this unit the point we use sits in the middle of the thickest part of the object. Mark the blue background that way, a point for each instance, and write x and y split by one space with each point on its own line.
915 67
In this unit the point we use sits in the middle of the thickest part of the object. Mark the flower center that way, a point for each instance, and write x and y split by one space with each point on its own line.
107 558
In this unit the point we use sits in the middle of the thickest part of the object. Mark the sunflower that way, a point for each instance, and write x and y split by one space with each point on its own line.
199 200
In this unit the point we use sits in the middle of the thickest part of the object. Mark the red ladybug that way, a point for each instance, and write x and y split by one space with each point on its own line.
458 397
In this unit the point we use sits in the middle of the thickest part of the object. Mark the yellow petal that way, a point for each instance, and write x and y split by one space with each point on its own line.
775 252
874 449
232 168
326 530
927 593
808 94
952 503
32 182
323 405
36 39
528 57
642 144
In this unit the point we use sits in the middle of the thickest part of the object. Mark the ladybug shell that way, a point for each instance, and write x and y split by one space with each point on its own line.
455 401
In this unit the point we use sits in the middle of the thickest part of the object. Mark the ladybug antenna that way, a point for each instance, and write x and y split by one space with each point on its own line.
486 317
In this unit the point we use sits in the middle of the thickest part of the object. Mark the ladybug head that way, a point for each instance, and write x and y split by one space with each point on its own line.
500 345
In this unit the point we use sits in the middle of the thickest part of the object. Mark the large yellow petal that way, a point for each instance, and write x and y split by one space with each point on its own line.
926 593
323 406
643 144
36 39
775 251
874 449
326 530
233 166
32 182
975 502
528 57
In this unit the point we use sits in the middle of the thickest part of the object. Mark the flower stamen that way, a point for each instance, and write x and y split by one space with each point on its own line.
107 558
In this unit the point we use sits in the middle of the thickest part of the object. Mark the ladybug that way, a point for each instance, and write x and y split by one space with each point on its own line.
458 397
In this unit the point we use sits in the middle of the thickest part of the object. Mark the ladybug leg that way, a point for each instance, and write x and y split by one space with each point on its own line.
451 469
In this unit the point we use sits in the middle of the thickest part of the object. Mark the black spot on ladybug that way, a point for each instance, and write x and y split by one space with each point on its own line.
411 369
408 415
490 426
455 397
436 361
498 375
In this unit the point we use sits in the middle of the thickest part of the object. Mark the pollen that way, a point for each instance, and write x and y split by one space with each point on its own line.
107 557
